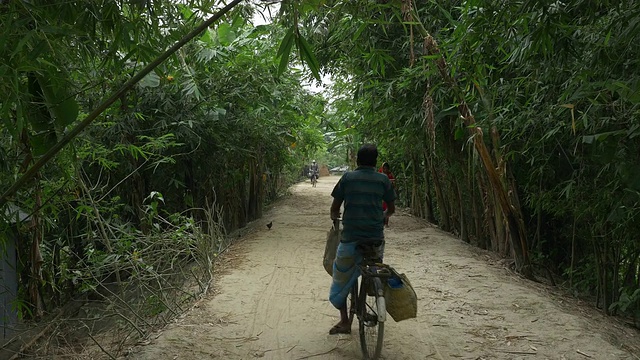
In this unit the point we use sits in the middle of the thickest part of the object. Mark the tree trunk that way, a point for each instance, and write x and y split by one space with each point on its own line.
191 198
429 154
440 200
489 214
464 235
242 187
596 256
630 274
516 227
606 295
416 203
35 258
253 194
479 238
573 252
260 191
428 201
615 273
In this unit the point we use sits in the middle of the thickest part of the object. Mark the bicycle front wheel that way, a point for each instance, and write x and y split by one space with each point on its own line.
371 328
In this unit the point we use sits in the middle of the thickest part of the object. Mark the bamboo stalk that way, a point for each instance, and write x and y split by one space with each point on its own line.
515 225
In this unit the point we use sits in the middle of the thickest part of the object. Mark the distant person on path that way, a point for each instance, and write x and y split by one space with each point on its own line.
362 192
386 169
314 170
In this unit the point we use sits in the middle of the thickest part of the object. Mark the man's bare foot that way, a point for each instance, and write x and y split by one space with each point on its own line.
340 328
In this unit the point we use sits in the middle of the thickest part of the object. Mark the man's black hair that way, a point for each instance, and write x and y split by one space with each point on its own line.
367 155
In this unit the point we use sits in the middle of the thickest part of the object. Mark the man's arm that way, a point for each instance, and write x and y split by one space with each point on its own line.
335 208
391 208
338 198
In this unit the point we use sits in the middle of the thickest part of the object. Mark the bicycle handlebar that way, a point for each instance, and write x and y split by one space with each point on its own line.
336 223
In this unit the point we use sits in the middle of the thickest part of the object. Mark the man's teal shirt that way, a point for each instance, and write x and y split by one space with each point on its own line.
362 192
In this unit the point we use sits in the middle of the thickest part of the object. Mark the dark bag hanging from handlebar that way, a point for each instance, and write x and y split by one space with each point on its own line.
331 248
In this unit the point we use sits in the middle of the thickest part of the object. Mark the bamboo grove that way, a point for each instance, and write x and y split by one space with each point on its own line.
159 181
512 124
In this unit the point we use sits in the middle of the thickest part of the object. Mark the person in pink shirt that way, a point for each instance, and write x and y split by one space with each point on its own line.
385 169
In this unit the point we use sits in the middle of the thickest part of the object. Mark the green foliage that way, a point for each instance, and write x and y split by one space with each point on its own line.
220 126
225 123
629 301
554 87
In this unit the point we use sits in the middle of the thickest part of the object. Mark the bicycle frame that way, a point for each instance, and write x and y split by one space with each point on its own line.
374 273
367 301
373 314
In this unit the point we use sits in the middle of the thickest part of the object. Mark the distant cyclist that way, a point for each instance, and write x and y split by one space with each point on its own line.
314 171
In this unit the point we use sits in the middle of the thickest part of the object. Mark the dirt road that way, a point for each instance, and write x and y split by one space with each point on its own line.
272 301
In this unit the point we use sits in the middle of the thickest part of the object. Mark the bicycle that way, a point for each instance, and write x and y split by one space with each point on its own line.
366 302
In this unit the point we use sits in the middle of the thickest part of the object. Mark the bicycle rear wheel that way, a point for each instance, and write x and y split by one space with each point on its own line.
371 329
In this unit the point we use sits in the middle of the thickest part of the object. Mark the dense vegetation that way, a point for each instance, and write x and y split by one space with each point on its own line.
149 192
512 124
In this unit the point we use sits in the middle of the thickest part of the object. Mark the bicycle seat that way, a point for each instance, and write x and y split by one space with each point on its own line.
370 249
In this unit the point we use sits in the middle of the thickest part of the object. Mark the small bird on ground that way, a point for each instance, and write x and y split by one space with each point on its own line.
269 225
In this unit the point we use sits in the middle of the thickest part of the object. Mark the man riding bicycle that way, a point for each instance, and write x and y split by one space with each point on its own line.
314 171
362 191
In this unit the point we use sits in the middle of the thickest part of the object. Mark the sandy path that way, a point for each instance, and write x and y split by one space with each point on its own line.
273 304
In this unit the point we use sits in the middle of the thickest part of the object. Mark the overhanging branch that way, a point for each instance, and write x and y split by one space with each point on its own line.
33 170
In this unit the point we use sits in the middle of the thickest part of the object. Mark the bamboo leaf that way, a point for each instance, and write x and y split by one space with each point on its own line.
40 119
186 13
226 35
358 32
285 45
573 116
446 14
60 102
284 51
450 111
42 142
307 55
237 22
588 139
207 37
459 134
151 80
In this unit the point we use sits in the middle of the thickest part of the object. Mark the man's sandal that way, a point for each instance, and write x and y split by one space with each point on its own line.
340 329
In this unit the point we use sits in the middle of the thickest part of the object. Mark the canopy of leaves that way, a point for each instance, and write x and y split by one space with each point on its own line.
201 143
553 85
